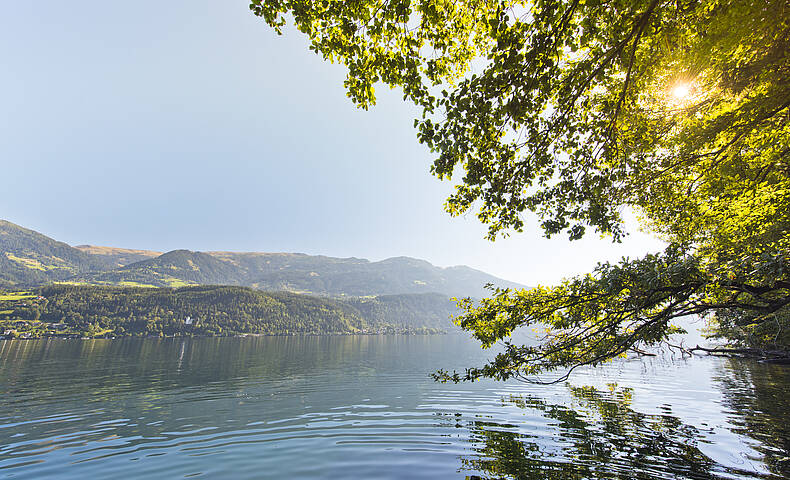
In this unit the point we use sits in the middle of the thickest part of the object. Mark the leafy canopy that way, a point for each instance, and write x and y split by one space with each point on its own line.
576 111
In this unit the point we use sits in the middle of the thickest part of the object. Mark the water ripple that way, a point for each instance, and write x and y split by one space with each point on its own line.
362 408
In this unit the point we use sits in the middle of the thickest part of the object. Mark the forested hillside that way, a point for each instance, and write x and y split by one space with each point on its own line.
28 257
408 311
171 269
77 310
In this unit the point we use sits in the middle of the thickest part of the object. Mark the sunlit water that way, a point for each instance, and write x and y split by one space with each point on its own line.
365 407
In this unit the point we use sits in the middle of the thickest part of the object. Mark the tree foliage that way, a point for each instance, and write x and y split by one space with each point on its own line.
576 111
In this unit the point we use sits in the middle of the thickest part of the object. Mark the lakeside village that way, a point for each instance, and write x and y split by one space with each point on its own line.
33 329
19 319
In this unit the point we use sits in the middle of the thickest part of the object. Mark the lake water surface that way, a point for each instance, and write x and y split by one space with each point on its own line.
365 407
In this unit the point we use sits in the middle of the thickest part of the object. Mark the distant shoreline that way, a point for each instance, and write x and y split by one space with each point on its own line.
70 311
174 337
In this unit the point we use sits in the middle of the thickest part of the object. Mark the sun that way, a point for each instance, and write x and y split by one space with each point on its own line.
681 94
681 91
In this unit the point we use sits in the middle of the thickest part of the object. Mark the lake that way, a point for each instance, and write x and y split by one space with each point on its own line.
365 407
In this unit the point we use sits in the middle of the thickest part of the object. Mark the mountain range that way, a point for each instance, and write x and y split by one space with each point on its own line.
28 258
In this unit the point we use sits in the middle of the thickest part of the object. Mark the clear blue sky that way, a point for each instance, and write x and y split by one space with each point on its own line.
190 124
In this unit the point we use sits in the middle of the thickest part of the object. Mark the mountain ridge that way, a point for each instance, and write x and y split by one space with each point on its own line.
119 256
32 261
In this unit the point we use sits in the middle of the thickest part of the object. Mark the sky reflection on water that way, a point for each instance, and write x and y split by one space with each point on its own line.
364 406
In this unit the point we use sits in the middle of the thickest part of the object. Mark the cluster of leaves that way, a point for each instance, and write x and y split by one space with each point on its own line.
676 109
572 116
388 41
625 307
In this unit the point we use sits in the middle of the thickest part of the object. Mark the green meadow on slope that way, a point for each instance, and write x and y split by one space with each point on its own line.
29 258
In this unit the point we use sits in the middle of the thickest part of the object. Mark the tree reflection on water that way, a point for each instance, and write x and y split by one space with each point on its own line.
757 396
599 436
